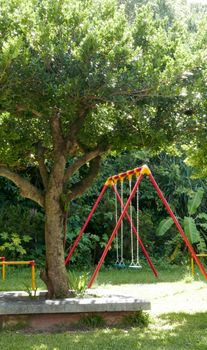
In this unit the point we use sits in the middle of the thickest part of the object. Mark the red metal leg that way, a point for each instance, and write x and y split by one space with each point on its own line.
115 230
164 201
135 232
85 225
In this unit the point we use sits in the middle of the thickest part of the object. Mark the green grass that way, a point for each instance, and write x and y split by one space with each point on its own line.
166 332
144 275
169 332
19 278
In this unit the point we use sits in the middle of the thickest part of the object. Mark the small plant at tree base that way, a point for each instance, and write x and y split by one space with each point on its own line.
92 321
137 319
78 283
32 293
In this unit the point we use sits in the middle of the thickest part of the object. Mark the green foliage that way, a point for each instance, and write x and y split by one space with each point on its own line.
138 319
192 226
164 226
195 201
97 60
191 230
31 293
13 245
78 282
92 321
24 219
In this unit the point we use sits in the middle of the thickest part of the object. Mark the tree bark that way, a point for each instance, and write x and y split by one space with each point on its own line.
54 274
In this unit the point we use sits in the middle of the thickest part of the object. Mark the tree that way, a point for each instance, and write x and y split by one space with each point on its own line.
77 80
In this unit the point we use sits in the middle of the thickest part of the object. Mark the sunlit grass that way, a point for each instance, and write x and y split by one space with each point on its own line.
168 332
144 275
19 278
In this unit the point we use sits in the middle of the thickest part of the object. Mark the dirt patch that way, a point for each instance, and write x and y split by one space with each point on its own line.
164 297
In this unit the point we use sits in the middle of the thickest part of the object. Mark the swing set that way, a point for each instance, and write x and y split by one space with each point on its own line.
135 263
134 231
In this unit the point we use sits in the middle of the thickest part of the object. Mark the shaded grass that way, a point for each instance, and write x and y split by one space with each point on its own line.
19 278
168 332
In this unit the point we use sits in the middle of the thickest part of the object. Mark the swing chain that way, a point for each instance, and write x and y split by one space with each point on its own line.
117 235
122 227
137 262
131 230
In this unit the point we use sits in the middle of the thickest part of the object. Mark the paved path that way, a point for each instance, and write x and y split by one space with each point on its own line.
164 297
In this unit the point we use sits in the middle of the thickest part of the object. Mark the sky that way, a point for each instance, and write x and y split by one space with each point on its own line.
198 1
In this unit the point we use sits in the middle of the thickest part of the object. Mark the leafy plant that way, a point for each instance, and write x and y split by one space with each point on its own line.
164 226
12 245
93 321
31 293
195 227
78 283
137 319
195 201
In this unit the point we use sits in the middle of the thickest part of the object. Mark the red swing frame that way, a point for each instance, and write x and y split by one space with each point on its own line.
111 181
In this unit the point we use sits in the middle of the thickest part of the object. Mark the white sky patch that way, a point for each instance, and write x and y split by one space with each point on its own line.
202 2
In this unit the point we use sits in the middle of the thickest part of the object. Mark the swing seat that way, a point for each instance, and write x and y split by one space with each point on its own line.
116 265
135 266
120 265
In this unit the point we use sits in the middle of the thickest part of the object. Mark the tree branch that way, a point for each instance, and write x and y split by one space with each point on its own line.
24 109
57 133
87 181
74 129
130 93
42 166
83 160
27 190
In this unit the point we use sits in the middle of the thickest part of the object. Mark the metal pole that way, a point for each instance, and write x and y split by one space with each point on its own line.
164 201
85 225
115 230
192 266
3 272
33 274
136 234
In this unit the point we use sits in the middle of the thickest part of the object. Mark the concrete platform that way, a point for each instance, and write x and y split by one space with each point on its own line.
17 308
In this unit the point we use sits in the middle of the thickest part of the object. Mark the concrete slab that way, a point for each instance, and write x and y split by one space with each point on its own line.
17 309
12 303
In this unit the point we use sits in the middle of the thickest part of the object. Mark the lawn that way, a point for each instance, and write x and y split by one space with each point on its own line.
19 278
167 332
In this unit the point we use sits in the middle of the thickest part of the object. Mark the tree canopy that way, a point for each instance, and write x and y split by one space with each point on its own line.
110 83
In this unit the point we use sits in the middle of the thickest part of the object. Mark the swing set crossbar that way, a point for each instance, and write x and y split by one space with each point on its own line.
111 181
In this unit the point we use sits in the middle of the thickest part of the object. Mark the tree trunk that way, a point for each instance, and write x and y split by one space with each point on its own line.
54 274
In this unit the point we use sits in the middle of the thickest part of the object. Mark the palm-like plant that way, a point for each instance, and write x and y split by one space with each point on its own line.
195 226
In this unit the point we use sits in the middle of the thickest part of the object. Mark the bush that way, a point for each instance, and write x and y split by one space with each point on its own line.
137 319
92 321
